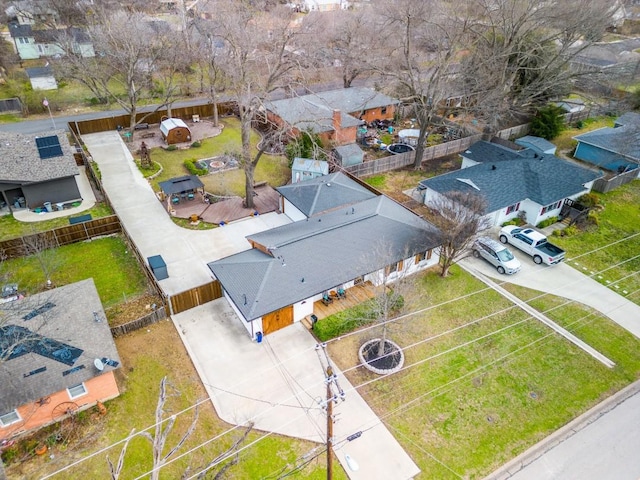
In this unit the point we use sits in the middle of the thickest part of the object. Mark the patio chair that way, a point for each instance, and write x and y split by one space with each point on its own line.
326 299
342 293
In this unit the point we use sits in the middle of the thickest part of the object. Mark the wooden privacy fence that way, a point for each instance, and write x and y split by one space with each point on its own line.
113 122
604 185
196 296
153 317
23 246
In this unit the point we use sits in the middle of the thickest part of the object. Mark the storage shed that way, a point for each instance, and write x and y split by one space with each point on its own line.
42 78
174 130
350 154
305 169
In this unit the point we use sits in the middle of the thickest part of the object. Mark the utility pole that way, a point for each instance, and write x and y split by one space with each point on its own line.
329 424
331 380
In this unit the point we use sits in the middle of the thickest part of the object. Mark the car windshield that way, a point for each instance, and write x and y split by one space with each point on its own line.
505 255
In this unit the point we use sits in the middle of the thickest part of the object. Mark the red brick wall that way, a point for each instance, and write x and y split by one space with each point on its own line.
35 416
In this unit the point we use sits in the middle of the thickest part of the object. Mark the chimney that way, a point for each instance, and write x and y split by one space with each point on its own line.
337 123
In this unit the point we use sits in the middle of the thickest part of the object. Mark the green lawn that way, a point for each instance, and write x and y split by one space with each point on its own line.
108 261
273 169
611 242
474 398
565 142
12 228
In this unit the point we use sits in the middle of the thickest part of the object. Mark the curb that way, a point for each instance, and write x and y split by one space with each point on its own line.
564 433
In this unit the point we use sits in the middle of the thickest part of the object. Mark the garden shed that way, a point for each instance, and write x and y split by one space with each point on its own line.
349 155
305 169
174 130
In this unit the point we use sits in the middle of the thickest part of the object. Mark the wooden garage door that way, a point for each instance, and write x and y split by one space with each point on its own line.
277 320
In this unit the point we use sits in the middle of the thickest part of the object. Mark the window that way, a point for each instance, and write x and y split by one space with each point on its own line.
23 40
77 390
553 206
9 418
513 208
383 110
423 256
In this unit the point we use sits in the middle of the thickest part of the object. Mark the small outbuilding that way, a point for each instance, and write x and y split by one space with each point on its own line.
537 144
174 130
42 78
348 155
306 168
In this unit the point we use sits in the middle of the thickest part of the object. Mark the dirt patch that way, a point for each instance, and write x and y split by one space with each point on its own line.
132 309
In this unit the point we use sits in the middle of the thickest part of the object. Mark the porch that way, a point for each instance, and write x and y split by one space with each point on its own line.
354 296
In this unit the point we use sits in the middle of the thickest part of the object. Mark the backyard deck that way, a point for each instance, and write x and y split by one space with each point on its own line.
266 200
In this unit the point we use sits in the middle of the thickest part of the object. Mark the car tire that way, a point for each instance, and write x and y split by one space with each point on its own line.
504 239
476 253
537 259
501 270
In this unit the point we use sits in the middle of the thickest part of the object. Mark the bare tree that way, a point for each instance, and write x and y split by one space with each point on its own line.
134 56
163 427
520 51
422 42
459 216
258 59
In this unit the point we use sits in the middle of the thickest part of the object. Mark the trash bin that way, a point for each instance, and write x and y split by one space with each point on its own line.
259 337
314 320
47 207
60 206
158 267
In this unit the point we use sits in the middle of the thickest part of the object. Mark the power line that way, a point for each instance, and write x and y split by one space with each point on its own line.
290 358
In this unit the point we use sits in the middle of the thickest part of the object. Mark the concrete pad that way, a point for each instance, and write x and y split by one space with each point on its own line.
279 385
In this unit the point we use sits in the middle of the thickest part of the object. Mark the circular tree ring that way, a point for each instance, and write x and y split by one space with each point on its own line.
391 361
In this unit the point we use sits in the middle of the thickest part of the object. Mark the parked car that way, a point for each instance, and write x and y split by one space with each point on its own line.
532 243
496 254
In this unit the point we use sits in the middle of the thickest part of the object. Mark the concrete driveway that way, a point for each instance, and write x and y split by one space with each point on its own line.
279 385
565 281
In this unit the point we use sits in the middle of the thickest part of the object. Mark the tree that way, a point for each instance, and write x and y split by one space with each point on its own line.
459 216
548 122
520 52
135 58
158 440
422 43
257 60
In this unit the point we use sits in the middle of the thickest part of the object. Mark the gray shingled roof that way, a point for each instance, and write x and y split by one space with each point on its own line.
20 31
324 193
180 184
70 321
486 151
315 112
36 72
314 255
623 140
537 143
21 163
541 178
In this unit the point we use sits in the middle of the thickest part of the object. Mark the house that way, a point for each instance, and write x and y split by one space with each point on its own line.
348 155
174 130
36 169
42 78
537 144
614 149
334 115
571 105
344 234
58 357
31 44
513 182
319 5
305 169
617 58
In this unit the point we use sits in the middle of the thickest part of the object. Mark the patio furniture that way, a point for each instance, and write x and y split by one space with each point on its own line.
326 299
175 200
190 196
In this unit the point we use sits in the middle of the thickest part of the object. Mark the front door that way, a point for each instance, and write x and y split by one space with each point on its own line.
276 320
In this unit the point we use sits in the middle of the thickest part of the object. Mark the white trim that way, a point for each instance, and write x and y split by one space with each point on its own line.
84 388
16 418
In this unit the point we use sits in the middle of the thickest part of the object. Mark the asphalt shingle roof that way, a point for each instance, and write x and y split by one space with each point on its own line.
70 321
314 255
623 140
180 184
541 178
315 112
324 193
37 72
21 163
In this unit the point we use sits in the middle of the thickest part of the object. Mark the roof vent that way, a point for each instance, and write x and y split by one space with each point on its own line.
98 364
328 184
493 167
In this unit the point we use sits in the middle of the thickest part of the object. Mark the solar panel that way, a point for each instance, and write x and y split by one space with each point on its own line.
49 147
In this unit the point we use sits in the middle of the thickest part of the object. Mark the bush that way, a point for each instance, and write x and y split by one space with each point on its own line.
593 218
569 231
548 122
513 221
193 168
171 148
10 455
547 222
196 144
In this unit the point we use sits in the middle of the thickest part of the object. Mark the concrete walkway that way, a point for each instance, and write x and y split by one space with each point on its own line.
186 252
279 385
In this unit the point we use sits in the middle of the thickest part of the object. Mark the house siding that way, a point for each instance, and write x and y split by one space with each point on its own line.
34 416
376 113
54 191
594 155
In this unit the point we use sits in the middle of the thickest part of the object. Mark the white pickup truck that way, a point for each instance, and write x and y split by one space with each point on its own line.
533 243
